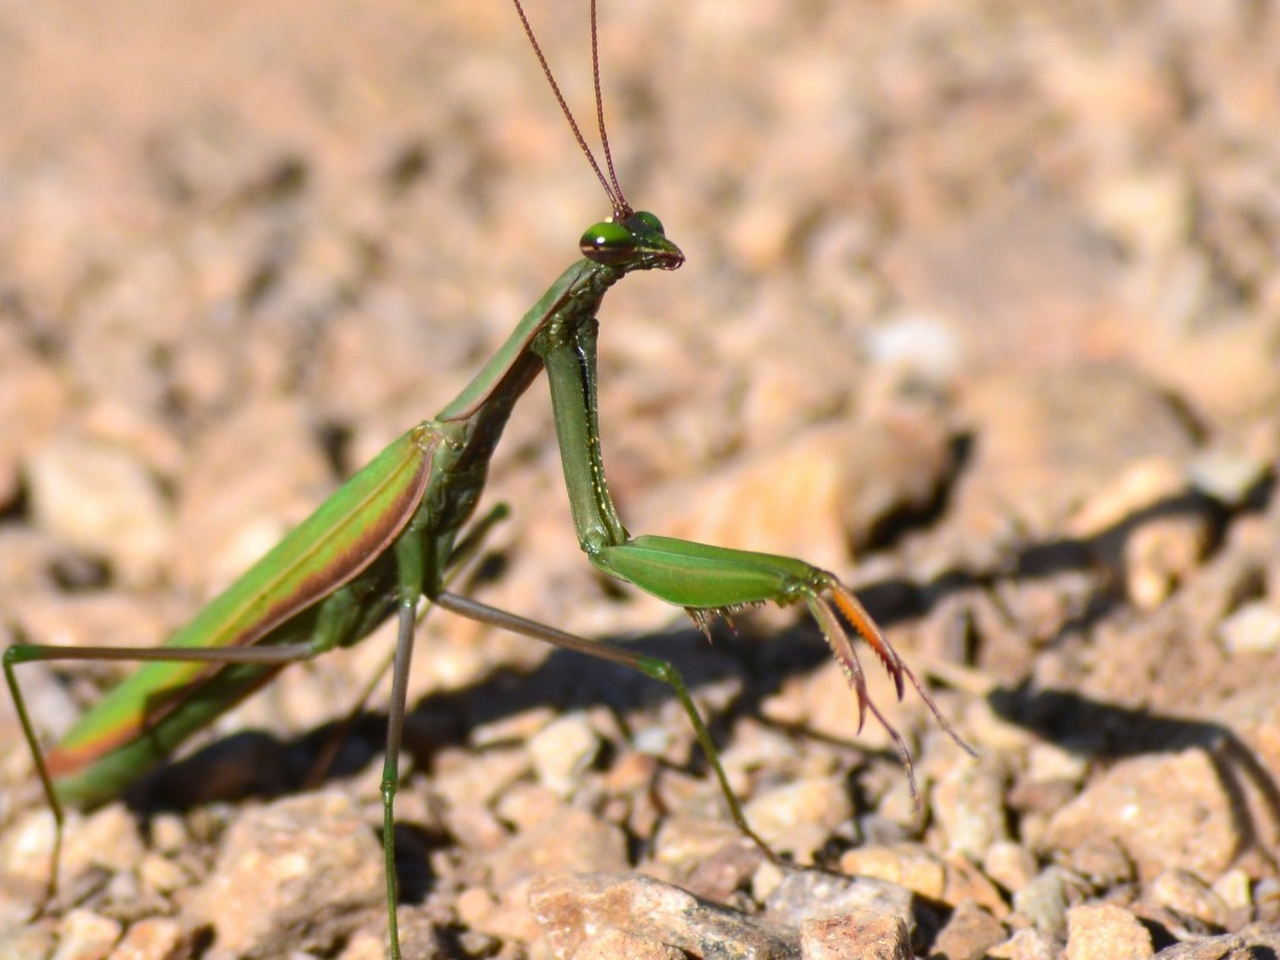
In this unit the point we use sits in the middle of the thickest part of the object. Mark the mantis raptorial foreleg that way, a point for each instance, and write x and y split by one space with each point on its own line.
702 578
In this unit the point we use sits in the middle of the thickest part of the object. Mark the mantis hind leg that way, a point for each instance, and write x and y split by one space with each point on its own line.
653 667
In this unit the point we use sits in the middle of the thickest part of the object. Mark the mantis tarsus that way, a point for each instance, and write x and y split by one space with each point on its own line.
390 536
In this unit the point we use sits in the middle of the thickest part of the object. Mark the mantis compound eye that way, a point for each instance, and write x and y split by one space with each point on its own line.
650 221
608 243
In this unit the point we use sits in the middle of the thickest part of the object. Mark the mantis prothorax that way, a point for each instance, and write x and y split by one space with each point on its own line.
386 539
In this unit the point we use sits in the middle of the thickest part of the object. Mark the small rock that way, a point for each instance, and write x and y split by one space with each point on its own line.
108 837
1164 811
798 817
1266 896
1187 894
811 893
1225 476
1050 763
508 917
156 938
103 500
1049 442
473 905
1101 860
969 805
921 342
26 940
26 852
864 936
291 876
366 945
470 778
788 500
1233 888
525 806
966 882
85 935
1024 945
562 750
168 833
1044 902
692 840
907 865
756 746
1163 553
896 460
1255 941
1106 932
569 839
728 870
1254 628
32 405
569 906
968 934
1009 864
1140 485
161 874
766 879
517 727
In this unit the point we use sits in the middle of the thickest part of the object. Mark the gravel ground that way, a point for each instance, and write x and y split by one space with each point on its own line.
980 311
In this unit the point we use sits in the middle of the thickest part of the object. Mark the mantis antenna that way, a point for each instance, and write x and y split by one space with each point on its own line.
621 208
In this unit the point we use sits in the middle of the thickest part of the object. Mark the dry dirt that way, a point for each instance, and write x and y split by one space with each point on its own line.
981 312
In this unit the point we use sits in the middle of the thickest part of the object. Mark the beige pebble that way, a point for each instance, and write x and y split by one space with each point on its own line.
1106 932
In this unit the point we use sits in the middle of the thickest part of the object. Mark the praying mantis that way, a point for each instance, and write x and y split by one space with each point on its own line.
392 535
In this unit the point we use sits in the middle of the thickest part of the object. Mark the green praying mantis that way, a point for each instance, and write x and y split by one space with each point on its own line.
395 532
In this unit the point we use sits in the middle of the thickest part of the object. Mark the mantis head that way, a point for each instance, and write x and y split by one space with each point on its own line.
631 240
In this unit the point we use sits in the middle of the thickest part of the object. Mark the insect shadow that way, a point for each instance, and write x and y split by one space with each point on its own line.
256 764
737 671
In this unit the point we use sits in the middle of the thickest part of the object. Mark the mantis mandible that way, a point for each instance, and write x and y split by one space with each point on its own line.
392 534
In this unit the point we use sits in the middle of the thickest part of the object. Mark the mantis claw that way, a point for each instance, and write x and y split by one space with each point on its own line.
857 615
823 603
845 654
